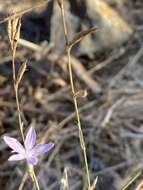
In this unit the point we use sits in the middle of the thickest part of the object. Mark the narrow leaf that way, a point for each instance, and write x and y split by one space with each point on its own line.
81 35
21 71
134 177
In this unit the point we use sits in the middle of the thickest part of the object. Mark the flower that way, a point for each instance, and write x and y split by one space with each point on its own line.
29 151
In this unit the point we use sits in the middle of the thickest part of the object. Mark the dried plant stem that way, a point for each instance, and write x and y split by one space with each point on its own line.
13 30
16 86
81 137
13 66
16 95
61 4
14 36
68 50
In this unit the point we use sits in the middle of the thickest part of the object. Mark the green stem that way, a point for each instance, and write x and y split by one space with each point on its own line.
33 176
16 93
68 49
81 137
133 178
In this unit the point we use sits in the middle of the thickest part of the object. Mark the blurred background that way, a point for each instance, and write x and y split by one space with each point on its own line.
107 63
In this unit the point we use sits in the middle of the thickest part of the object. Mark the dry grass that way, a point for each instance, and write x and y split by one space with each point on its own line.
111 119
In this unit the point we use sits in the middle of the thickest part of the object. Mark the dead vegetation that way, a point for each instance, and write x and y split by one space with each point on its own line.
111 113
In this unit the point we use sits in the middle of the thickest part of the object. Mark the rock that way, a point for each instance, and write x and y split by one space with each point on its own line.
10 6
80 15
113 29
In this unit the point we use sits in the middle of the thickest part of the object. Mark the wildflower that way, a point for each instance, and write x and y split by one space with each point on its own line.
28 151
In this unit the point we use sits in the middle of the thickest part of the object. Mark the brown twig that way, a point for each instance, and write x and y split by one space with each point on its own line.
13 31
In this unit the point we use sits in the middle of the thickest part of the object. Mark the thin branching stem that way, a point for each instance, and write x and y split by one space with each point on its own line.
14 33
16 94
68 50
81 137
16 88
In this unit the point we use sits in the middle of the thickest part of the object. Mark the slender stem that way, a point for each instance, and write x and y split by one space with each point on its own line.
133 178
36 181
16 94
31 168
13 66
33 176
81 137
68 50
14 37
61 4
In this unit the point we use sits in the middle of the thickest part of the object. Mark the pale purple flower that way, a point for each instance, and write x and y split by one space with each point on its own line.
29 151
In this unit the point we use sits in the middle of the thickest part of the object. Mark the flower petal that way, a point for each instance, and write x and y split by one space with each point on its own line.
16 157
14 144
30 138
32 160
41 149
